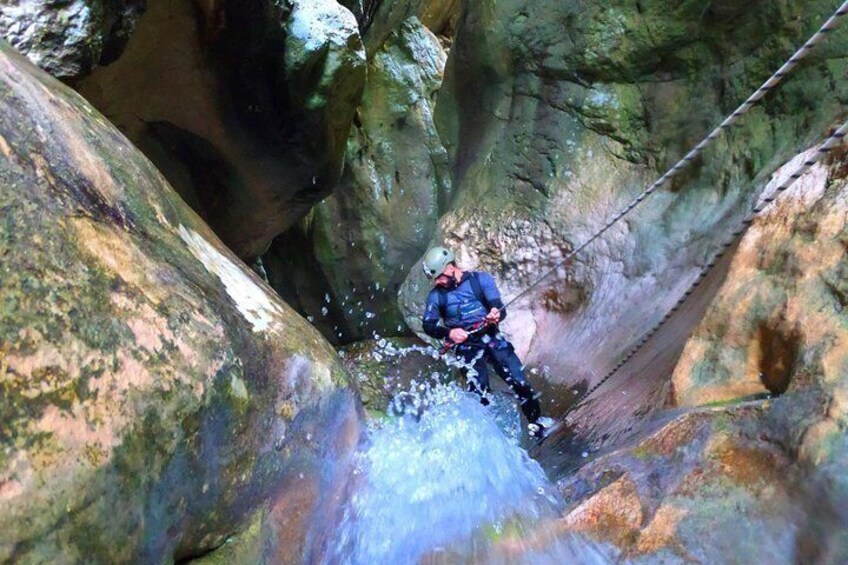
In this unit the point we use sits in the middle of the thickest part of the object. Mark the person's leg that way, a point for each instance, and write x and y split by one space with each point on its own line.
475 370
508 366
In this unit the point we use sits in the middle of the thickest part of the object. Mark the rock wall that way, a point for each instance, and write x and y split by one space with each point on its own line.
246 109
778 327
157 399
343 265
728 476
780 314
556 114
244 106
68 39
154 393
379 18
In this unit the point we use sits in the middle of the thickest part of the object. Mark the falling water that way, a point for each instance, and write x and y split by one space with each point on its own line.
446 481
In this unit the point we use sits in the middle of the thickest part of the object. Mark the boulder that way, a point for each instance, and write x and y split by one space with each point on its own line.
244 106
343 265
154 393
68 39
709 486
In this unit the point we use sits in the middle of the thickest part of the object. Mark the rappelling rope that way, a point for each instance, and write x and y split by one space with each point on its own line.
829 26
833 141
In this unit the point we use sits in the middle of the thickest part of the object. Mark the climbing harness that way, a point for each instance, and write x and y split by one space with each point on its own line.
473 330
476 288
829 26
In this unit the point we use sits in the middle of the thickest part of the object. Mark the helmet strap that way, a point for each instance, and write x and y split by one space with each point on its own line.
454 281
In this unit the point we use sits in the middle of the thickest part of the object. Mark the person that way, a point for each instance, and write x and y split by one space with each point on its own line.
464 300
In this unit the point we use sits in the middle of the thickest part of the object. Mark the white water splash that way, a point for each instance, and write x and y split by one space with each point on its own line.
444 481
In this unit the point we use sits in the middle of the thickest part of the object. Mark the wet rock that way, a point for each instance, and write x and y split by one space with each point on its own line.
708 486
379 19
382 368
615 512
777 327
297 524
780 313
755 480
154 393
244 106
357 245
69 38
557 114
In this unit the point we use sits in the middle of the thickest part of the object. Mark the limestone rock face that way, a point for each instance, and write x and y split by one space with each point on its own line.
361 241
778 325
154 393
441 16
325 70
244 106
708 486
780 314
69 38
378 19
752 481
557 113
758 480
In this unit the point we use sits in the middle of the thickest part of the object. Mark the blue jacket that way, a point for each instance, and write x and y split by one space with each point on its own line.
463 308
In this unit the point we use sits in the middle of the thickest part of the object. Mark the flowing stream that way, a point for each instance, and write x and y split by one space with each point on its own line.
445 481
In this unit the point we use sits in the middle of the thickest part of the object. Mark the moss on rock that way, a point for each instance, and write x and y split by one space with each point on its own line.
344 264
143 367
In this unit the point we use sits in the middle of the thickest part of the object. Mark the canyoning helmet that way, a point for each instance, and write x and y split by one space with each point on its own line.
436 261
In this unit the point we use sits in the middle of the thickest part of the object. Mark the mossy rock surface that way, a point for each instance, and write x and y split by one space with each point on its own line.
380 369
344 263
153 391
557 114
